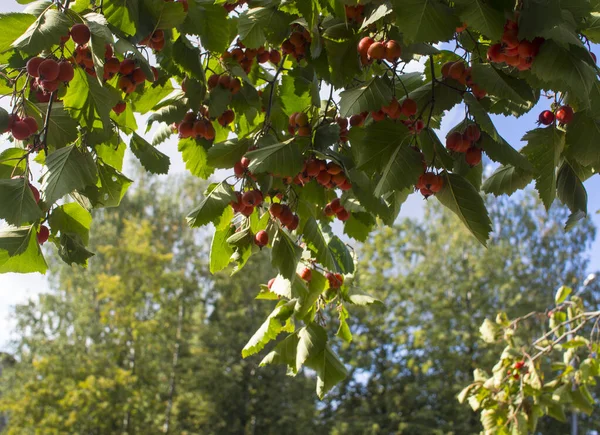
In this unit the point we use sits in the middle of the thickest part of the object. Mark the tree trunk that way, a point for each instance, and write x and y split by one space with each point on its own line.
172 381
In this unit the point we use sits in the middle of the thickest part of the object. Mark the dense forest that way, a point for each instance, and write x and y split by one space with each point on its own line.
146 341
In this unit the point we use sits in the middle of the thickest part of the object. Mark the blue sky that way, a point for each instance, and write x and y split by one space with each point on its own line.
15 288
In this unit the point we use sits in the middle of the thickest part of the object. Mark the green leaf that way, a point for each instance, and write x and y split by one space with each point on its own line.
425 20
315 241
43 33
500 151
461 197
376 14
506 180
195 158
366 98
270 329
13 25
220 250
343 331
363 300
284 159
342 59
12 162
68 169
582 401
483 17
167 14
500 84
210 22
187 59
62 129
226 154
343 258
283 353
72 250
373 146
307 299
582 144
71 218
216 199
112 186
88 102
570 189
122 14
151 159
359 226
433 149
299 89
285 255
543 149
254 24
20 252
402 170
312 340
564 70
489 331
537 16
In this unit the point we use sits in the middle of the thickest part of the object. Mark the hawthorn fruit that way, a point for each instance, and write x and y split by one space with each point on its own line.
80 33
43 234
564 114
261 238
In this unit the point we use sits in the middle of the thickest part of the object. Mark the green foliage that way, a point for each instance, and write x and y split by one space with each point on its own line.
242 88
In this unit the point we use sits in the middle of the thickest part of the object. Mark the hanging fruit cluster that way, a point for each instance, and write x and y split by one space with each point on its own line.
48 75
298 124
196 125
512 51
245 56
466 142
131 76
335 208
285 215
564 115
21 128
462 73
156 40
369 50
327 174
429 184
298 43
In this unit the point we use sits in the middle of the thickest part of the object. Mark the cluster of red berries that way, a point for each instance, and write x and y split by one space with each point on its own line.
240 168
286 217
298 123
394 110
49 74
564 115
371 50
429 184
298 43
245 56
337 209
336 280
225 81
231 6
466 143
246 202
355 14
329 175
512 51
196 125
343 123
156 40
21 128
460 72
131 76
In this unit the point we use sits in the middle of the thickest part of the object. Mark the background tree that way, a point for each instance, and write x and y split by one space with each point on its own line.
137 343
412 357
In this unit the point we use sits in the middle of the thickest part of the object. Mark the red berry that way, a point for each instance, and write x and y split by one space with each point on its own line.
261 238
546 117
32 66
306 274
66 72
80 33
48 70
20 130
472 133
473 156
336 206
564 114
119 107
276 209
43 234
409 107
249 199
35 192
127 66
343 215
